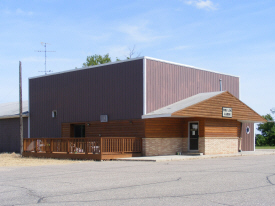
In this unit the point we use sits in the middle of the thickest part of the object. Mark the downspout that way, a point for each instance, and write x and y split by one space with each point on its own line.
240 138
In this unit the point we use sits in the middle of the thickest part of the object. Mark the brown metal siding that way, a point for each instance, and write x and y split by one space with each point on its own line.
247 139
169 83
84 95
10 134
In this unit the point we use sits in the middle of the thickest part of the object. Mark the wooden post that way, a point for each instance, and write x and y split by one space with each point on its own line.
20 108
240 139
123 143
240 144
86 146
68 144
35 149
51 146
101 149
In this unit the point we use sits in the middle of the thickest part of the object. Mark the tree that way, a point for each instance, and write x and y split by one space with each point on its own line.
131 53
267 136
96 60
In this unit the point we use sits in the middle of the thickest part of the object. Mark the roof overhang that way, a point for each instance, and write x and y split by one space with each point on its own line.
13 116
208 105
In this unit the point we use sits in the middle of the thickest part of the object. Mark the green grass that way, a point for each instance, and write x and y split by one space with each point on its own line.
265 147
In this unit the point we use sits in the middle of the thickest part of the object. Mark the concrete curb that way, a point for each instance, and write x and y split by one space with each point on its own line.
188 157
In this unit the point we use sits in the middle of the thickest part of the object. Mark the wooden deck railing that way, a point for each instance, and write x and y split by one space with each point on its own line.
97 148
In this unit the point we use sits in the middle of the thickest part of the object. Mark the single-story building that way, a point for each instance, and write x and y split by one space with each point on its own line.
10 125
170 107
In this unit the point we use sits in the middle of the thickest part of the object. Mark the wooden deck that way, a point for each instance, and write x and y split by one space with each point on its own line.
101 148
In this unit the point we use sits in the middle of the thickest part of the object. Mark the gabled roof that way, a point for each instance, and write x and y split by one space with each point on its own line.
208 105
11 110
182 104
128 60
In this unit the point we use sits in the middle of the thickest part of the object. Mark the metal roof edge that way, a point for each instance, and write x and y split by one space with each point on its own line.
248 121
90 67
169 62
133 59
148 116
13 116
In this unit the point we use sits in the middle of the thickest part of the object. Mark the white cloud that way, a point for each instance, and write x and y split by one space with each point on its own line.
139 32
17 12
21 12
202 4
179 48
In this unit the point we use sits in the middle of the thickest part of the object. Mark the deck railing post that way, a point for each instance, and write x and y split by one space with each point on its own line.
86 146
24 145
101 148
68 145
140 145
123 143
51 146
36 143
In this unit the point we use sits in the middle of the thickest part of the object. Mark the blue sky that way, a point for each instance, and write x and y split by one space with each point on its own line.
233 37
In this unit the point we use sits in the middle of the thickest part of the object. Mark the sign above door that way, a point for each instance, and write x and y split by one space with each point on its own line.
227 112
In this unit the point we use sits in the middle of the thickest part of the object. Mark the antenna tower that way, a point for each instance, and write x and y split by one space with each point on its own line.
45 45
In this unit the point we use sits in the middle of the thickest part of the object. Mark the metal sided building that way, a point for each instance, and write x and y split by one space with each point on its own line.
171 107
10 125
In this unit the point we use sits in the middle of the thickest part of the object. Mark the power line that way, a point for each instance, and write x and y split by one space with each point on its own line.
45 45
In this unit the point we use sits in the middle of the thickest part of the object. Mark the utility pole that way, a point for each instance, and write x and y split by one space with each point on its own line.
20 108
45 45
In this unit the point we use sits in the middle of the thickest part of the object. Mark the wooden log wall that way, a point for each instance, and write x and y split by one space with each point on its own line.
222 128
164 127
157 128
171 127
119 128
213 108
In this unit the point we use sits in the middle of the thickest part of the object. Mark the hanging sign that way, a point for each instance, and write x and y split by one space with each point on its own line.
227 112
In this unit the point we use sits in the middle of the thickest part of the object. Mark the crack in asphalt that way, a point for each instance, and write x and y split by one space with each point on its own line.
139 198
268 180
68 173
29 192
144 198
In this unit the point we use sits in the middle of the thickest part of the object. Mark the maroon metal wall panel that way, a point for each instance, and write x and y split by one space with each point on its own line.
248 139
10 134
83 95
168 83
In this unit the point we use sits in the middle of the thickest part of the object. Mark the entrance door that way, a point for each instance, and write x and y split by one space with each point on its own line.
193 136
79 130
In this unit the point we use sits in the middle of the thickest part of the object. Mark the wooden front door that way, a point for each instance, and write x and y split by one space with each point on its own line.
193 136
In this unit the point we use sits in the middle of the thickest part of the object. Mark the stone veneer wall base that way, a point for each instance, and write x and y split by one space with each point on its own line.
163 146
221 145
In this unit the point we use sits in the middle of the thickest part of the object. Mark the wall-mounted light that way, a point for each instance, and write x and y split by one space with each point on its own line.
54 114
99 135
247 130
103 118
130 122
88 124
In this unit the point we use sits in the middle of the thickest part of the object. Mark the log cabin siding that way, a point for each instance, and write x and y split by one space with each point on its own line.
164 127
167 83
201 122
222 128
119 128
66 130
171 127
213 108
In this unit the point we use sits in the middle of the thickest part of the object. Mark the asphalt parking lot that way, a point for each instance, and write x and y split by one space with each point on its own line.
242 180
